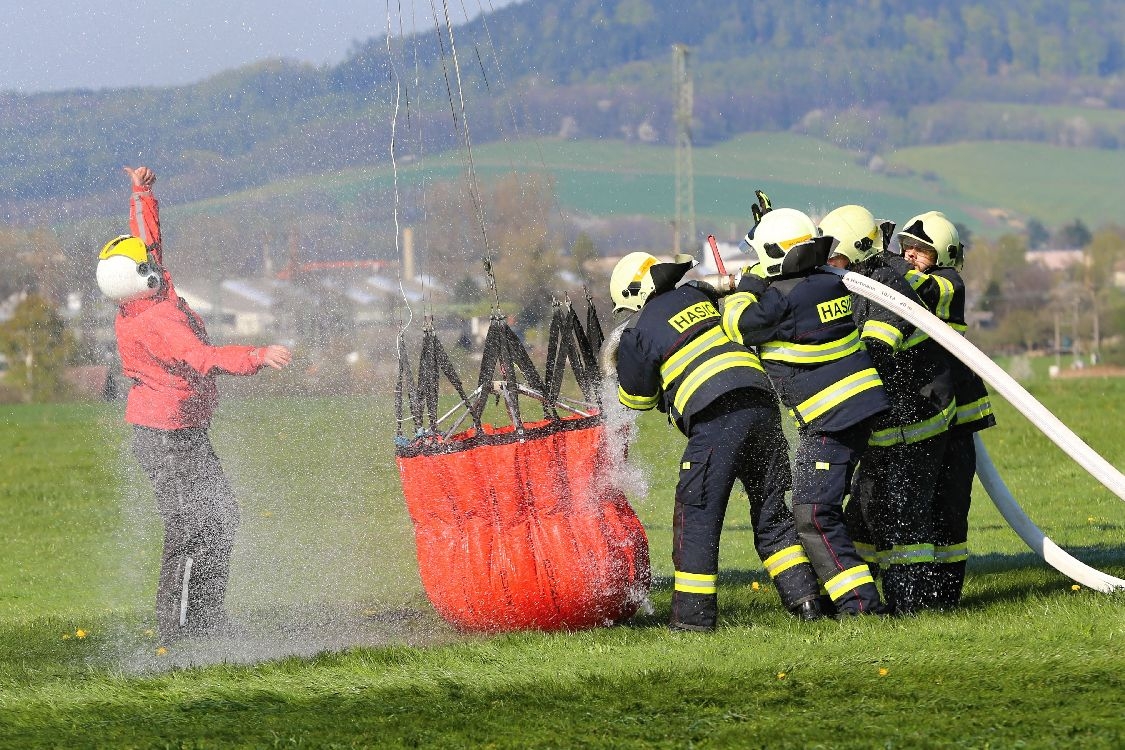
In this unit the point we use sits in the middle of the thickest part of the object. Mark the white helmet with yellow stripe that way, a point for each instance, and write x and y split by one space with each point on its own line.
639 275
858 235
126 270
779 231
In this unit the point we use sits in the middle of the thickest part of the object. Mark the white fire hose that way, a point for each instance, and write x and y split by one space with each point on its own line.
1027 405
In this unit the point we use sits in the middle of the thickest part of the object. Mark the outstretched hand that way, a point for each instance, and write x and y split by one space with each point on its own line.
141 176
275 356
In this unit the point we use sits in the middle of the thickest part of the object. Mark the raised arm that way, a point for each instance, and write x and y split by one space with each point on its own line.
144 213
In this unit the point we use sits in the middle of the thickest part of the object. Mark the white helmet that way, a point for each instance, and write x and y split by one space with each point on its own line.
934 232
638 275
126 271
779 231
857 233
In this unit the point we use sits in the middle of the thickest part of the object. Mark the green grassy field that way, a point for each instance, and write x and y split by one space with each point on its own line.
613 179
342 649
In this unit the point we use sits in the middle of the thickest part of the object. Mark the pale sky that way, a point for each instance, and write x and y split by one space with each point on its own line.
98 44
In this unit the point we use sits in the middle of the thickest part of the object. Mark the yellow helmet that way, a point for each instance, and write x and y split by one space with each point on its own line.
778 232
639 275
856 231
933 231
126 271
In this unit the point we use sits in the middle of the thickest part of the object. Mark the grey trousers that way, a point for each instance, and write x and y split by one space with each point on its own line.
200 518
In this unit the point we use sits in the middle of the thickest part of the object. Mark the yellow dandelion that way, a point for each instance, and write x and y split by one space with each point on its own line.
756 586
1076 587
781 675
150 633
161 651
883 671
1090 519
80 633
66 636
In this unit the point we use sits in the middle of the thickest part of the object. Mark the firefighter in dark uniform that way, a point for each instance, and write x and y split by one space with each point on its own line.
799 318
677 359
894 486
930 243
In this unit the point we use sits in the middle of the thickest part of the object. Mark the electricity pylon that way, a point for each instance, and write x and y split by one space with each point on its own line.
685 178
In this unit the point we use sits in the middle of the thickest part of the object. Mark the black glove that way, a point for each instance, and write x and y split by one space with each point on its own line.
888 230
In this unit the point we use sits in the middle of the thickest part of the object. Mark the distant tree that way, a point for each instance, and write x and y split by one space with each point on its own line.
583 251
964 234
38 347
1074 235
1037 234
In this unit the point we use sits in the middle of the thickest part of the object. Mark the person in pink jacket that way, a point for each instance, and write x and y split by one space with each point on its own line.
166 353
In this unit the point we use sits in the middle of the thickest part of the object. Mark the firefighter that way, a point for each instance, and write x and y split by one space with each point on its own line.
894 486
676 358
930 243
166 354
799 318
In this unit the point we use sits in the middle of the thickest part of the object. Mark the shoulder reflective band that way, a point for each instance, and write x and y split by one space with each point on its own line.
709 369
640 403
733 308
916 432
697 583
674 366
837 393
971 412
840 584
806 354
784 559
916 278
907 554
952 553
945 297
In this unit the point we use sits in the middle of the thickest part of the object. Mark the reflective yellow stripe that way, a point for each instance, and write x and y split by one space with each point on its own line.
916 338
714 366
908 554
840 584
674 366
978 409
867 551
952 553
823 466
880 331
733 308
697 583
837 393
945 297
783 560
640 403
803 354
914 433
916 278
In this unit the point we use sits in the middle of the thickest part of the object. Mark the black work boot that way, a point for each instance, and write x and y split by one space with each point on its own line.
694 612
809 611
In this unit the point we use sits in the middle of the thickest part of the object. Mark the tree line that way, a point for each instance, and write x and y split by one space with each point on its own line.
900 71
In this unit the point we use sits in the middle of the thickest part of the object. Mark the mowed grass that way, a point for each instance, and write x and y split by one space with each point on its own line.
342 649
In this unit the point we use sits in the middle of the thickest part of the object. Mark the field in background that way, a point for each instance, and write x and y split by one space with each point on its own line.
606 179
325 561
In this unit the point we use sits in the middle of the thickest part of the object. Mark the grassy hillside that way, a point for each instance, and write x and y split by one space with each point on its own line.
607 179
1050 183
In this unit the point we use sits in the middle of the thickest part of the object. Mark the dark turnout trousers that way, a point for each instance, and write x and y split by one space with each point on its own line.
200 518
